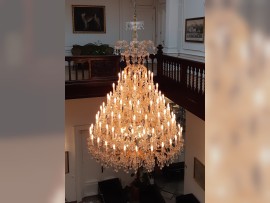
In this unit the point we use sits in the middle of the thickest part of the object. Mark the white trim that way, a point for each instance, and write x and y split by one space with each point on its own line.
188 56
78 159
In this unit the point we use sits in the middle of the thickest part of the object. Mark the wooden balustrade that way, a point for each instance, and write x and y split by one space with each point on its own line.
188 74
87 68
90 76
181 80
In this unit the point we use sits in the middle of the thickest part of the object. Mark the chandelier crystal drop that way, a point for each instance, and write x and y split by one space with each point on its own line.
135 128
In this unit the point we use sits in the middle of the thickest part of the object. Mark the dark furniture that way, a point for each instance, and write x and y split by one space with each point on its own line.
92 49
111 191
174 171
188 198
151 194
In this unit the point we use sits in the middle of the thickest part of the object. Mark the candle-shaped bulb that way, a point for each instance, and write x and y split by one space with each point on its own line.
162 144
90 130
170 141
152 148
136 148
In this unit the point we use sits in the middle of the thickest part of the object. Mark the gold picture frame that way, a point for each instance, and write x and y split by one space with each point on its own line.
88 19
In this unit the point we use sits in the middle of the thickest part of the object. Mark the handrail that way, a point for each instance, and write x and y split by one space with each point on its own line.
182 80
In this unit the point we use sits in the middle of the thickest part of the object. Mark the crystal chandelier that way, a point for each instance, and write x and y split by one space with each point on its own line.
135 128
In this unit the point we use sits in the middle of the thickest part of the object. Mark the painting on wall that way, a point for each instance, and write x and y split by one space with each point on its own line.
194 30
199 173
89 19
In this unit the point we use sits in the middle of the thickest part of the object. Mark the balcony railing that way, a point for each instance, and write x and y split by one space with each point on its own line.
181 80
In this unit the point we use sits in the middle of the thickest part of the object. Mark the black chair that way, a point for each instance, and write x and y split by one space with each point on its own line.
111 191
188 198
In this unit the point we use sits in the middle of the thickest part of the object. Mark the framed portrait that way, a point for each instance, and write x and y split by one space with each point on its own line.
194 30
88 19
199 173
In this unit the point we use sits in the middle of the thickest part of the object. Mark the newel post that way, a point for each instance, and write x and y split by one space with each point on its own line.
159 59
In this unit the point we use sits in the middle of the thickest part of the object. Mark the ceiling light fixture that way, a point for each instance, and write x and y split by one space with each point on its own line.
135 128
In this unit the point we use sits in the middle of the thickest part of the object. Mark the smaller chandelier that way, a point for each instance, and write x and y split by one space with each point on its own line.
135 128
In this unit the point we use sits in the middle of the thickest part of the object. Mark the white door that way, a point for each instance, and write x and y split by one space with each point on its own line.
148 16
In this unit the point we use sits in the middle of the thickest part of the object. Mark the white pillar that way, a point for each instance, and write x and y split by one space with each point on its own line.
171 27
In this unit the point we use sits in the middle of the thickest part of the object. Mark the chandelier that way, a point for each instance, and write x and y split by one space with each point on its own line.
135 128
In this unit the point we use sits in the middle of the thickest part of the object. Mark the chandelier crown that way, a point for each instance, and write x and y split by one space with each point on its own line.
135 51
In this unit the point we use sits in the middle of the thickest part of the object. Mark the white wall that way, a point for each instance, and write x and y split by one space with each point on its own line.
194 147
112 13
186 9
117 13
190 9
79 114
